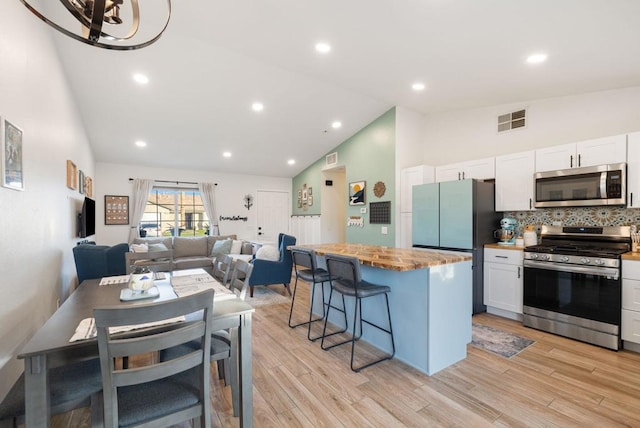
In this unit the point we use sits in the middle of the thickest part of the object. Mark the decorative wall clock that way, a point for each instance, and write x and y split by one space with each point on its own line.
379 188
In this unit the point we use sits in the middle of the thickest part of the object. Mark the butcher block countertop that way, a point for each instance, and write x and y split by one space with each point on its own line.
397 259
634 256
504 247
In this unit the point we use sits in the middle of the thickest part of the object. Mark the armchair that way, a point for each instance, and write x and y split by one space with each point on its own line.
267 272
97 261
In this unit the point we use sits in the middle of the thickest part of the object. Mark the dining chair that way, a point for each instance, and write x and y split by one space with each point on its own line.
306 269
347 280
164 392
71 386
222 268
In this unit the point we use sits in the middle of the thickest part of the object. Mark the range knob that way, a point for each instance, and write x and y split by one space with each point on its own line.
564 259
584 261
545 257
534 256
598 262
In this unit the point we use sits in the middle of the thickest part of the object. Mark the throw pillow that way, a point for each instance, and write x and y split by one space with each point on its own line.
139 248
221 247
236 247
268 252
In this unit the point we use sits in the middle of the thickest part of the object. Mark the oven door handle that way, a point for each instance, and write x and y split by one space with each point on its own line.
612 273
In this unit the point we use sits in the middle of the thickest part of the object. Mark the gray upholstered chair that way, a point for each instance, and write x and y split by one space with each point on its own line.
71 386
222 268
346 280
155 261
162 393
306 269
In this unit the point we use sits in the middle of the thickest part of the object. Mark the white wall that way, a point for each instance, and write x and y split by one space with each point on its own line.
472 134
113 179
38 225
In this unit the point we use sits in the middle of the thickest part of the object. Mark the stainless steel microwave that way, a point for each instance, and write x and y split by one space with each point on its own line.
581 187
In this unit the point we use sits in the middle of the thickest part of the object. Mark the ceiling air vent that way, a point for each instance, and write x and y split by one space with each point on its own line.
509 121
332 159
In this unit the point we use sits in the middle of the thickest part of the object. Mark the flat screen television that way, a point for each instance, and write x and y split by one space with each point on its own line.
87 218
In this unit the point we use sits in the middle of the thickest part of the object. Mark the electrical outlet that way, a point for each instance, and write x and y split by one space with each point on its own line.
384 230
363 210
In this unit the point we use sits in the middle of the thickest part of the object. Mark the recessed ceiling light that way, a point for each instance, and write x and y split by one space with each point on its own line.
141 78
337 124
418 86
257 106
141 144
226 154
291 161
323 47
537 58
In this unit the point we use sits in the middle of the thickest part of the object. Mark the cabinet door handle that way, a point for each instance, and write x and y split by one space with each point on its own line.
530 203
501 257
571 161
518 272
463 175
579 160
458 175
631 200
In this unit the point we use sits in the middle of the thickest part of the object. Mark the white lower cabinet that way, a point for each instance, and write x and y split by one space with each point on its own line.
503 275
631 301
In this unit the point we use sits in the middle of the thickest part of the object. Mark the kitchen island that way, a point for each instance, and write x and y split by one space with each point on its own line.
430 301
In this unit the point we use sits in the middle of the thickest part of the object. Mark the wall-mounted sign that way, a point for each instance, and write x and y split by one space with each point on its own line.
233 218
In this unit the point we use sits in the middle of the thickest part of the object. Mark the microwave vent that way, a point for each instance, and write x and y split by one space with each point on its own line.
514 120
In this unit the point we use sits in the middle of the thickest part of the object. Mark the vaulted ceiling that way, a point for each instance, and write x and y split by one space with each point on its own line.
217 58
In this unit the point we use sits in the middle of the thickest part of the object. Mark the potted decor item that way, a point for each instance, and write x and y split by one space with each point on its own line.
141 280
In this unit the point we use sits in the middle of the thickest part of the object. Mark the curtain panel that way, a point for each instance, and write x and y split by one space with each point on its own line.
141 189
208 195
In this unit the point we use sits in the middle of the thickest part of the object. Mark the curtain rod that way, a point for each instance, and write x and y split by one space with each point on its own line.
173 182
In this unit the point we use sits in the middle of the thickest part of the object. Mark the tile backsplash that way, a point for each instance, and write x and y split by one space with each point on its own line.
589 216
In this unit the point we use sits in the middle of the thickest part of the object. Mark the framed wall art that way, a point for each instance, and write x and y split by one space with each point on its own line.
357 191
72 175
81 182
116 209
12 167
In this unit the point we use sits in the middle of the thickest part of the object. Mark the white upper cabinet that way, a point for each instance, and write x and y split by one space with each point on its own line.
481 169
514 181
598 151
410 177
633 170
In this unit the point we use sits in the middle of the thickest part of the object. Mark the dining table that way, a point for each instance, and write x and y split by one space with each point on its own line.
51 347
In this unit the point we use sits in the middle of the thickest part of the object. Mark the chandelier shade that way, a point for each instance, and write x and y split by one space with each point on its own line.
108 24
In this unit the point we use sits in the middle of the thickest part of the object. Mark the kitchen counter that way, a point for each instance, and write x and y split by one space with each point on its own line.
430 301
634 256
504 247
398 259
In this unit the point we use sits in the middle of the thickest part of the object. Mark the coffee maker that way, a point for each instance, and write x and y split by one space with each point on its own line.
507 234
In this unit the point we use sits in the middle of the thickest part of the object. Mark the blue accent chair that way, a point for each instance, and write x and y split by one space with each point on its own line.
267 272
97 261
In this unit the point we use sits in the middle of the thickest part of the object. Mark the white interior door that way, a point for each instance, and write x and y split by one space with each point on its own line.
273 215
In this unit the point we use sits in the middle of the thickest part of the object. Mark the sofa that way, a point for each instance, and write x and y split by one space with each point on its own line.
192 252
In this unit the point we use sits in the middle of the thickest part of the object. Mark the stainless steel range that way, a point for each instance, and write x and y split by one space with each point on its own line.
572 283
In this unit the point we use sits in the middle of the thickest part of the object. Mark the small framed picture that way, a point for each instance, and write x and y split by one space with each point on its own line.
310 191
81 182
310 200
12 168
305 195
299 203
299 194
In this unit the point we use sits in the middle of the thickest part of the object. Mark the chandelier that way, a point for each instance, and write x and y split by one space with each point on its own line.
108 24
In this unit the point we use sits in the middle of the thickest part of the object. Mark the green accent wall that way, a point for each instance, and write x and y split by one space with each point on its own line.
368 156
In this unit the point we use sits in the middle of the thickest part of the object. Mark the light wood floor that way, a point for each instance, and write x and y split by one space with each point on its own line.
555 382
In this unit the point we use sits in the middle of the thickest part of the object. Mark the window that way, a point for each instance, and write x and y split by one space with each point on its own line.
174 212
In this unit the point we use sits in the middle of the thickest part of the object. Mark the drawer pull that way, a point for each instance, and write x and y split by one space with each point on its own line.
501 257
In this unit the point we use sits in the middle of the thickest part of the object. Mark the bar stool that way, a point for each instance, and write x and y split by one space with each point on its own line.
345 279
305 265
